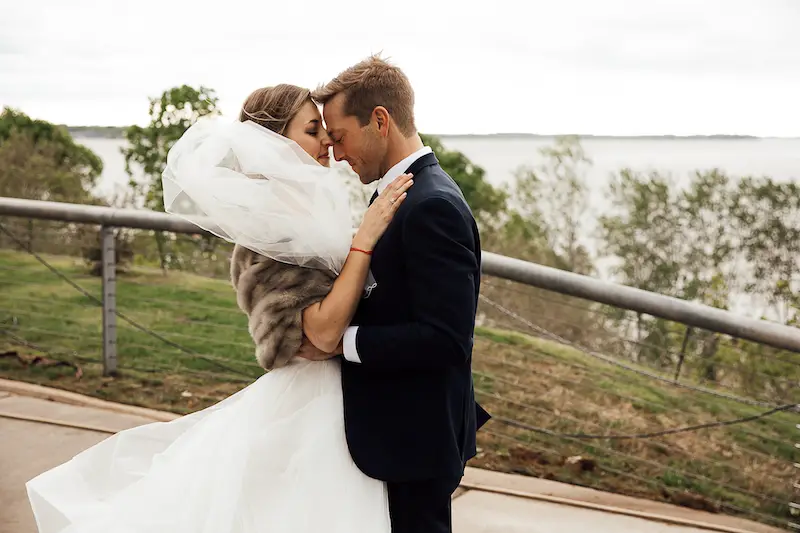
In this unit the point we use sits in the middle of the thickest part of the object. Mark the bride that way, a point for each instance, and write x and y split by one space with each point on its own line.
272 457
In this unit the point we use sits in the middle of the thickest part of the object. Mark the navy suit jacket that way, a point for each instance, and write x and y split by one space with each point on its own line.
409 405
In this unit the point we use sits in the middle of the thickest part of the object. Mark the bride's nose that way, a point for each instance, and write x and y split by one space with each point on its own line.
326 141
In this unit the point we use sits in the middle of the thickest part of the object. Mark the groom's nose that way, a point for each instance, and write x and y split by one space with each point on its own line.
338 153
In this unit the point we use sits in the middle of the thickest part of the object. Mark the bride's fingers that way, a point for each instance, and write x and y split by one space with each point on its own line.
396 203
401 179
399 184
397 197
401 188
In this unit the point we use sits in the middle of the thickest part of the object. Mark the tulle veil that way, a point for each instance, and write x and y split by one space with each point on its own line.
253 187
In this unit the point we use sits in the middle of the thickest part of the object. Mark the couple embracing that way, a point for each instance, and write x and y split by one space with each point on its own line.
366 417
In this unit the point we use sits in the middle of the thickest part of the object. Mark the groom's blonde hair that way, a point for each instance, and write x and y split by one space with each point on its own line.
371 83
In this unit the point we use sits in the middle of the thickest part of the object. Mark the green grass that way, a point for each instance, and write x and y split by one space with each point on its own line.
742 469
198 313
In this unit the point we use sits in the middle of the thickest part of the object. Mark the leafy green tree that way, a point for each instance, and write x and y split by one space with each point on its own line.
643 232
30 169
767 221
45 156
521 230
674 242
41 161
170 116
710 252
485 200
558 188
524 231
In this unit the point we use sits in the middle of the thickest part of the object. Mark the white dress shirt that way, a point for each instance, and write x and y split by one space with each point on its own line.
349 340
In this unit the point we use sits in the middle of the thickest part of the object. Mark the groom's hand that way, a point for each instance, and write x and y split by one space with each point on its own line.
312 353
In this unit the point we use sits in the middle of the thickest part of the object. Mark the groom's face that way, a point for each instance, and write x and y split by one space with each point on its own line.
359 145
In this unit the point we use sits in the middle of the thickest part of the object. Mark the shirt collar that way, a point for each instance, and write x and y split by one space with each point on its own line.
401 167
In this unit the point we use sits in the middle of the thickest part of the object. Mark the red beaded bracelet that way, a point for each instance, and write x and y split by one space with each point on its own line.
352 249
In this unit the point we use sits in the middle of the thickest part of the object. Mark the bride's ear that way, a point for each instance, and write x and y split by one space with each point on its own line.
381 117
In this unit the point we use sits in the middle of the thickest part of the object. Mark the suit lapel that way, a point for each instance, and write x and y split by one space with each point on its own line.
426 160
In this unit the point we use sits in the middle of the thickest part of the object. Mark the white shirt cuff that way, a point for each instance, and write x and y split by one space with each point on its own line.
349 343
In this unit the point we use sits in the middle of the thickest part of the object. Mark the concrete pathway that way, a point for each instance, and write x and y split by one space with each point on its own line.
41 428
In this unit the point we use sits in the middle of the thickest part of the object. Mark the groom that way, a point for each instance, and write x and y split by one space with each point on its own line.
409 406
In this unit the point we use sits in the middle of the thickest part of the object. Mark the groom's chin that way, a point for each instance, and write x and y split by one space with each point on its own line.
365 179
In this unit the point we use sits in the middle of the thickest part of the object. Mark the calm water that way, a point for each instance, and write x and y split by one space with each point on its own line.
779 158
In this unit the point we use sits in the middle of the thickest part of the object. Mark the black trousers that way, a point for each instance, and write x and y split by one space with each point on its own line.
421 506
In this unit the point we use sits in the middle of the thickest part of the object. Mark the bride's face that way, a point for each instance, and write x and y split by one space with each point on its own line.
306 130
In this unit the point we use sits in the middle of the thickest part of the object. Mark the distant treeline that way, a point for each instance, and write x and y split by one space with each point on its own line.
107 132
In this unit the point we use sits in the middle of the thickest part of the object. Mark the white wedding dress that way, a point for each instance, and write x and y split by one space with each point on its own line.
271 458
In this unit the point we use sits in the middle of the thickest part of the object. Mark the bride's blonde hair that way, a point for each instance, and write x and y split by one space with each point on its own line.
274 107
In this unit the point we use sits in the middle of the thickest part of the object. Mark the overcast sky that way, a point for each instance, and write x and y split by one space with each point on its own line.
613 67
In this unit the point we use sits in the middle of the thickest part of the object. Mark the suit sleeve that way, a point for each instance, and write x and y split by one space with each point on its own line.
441 266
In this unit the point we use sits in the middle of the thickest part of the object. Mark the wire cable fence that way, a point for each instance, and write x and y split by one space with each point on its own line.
679 352
575 375
580 392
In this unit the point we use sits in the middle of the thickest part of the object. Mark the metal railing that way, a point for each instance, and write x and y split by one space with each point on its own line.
580 388
543 277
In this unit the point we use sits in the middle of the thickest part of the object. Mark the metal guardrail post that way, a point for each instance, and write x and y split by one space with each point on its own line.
109 301
685 344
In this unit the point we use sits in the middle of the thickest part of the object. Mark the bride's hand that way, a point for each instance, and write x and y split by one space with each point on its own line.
381 212
312 353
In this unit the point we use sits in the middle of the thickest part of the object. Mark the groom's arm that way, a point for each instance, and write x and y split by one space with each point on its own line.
441 267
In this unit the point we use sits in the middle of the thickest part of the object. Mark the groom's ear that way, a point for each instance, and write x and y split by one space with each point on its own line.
381 117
